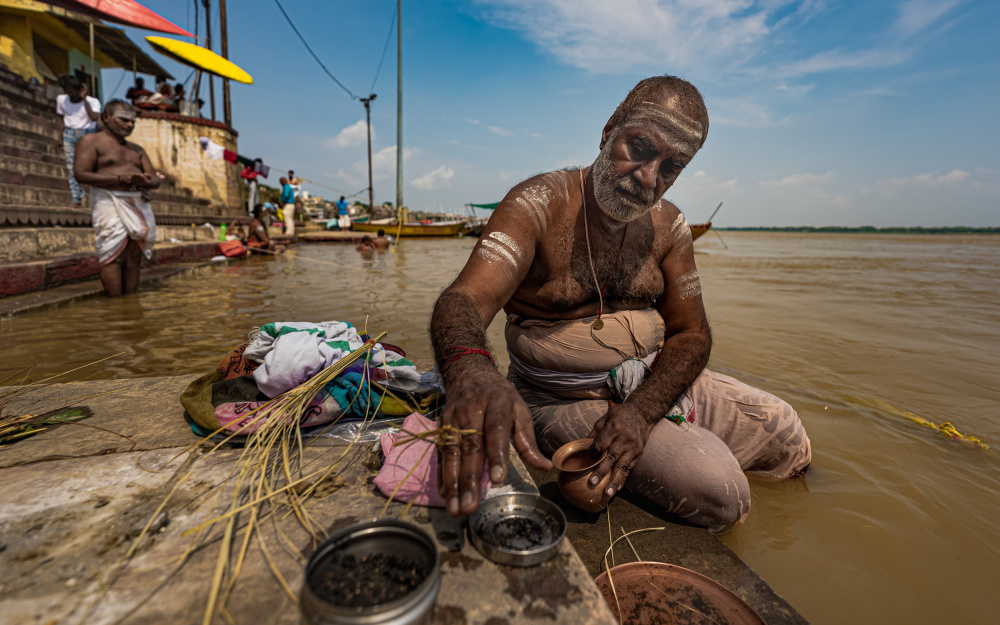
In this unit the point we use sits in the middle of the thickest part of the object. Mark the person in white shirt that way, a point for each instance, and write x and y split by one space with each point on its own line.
80 113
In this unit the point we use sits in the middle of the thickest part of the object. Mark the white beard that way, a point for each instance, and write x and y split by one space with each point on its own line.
616 205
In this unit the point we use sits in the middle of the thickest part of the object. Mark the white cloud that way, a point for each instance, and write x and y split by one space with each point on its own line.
440 178
464 145
739 112
383 166
916 15
353 135
795 90
833 60
602 36
471 121
503 132
931 180
799 180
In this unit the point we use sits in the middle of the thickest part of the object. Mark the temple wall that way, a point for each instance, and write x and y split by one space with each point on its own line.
172 142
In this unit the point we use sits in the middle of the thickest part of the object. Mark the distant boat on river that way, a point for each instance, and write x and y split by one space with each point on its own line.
411 228
699 229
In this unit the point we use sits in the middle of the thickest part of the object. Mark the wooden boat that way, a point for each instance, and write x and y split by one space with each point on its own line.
699 229
199 58
474 227
412 228
125 12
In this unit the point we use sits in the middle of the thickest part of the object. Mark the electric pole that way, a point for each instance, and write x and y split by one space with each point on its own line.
368 118
399 107
227 109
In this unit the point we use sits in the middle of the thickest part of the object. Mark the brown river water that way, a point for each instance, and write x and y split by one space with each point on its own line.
895 522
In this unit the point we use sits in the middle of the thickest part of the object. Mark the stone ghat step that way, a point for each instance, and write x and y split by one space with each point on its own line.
36 125
25 131
32 144
32 244
12 149
36 189
21 93
15 164
46 216
55 167
14 103
63 216
27 276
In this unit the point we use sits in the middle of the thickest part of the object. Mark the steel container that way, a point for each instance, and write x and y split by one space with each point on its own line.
361 539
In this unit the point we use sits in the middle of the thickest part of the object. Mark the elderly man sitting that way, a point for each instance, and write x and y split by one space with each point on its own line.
607 333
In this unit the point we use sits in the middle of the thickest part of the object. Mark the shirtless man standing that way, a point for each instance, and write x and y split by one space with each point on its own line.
607 333
120 176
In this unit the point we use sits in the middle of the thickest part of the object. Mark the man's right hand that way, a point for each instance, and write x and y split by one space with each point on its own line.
481 399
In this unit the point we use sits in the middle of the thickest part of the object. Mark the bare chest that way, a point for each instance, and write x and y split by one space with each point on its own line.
114 157
567 278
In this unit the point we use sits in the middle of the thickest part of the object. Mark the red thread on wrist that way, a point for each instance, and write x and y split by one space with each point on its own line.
465 351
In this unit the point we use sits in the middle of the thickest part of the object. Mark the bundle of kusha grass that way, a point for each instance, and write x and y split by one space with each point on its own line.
269 478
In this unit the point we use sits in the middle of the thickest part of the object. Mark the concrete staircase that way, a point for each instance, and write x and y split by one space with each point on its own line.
34 183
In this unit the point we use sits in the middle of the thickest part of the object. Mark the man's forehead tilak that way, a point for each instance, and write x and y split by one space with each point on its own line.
124 114
687 132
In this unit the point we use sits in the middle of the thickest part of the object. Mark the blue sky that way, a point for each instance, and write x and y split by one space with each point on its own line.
822 112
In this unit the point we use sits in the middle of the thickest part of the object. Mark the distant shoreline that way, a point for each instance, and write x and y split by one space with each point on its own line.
868 229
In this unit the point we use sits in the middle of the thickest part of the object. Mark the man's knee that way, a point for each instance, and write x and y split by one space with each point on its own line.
726 503
715 497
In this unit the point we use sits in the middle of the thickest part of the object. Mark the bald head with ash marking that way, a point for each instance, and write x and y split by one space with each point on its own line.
664 92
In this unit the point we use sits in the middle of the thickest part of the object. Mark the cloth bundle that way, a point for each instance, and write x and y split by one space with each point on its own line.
411 465
281 356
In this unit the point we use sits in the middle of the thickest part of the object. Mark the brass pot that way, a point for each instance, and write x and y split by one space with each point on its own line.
574 461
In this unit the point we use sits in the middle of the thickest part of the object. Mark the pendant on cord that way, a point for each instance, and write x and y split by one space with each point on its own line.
598 324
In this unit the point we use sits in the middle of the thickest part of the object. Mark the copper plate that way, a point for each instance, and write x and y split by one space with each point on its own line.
654 592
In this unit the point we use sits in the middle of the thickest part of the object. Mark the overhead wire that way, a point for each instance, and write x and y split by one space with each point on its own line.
306 44
385 48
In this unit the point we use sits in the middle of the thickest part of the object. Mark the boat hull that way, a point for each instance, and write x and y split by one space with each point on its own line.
447 229
699 229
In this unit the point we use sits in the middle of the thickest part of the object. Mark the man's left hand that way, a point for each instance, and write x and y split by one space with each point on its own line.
623 432
137 180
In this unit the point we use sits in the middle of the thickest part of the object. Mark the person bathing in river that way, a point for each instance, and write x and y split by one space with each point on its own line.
381 241
258 238
607 333
121 178
367 246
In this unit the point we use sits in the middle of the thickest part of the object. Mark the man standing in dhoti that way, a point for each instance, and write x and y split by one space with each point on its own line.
121 177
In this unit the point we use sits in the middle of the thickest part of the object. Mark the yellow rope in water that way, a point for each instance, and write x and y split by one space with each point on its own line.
945 428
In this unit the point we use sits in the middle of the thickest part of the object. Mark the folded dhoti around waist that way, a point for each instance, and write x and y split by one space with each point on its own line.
573 359
119 216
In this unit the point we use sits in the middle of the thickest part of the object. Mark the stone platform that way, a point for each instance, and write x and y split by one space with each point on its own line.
76 498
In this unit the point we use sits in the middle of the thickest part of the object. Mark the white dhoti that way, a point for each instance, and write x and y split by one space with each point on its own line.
344 222
119 216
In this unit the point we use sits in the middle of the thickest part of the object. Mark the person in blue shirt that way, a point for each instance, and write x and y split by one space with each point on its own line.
343 219
287 202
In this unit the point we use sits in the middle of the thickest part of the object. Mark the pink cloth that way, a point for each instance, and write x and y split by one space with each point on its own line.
421 485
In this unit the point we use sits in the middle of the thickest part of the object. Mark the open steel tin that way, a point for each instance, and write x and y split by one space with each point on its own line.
519 529
388 543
